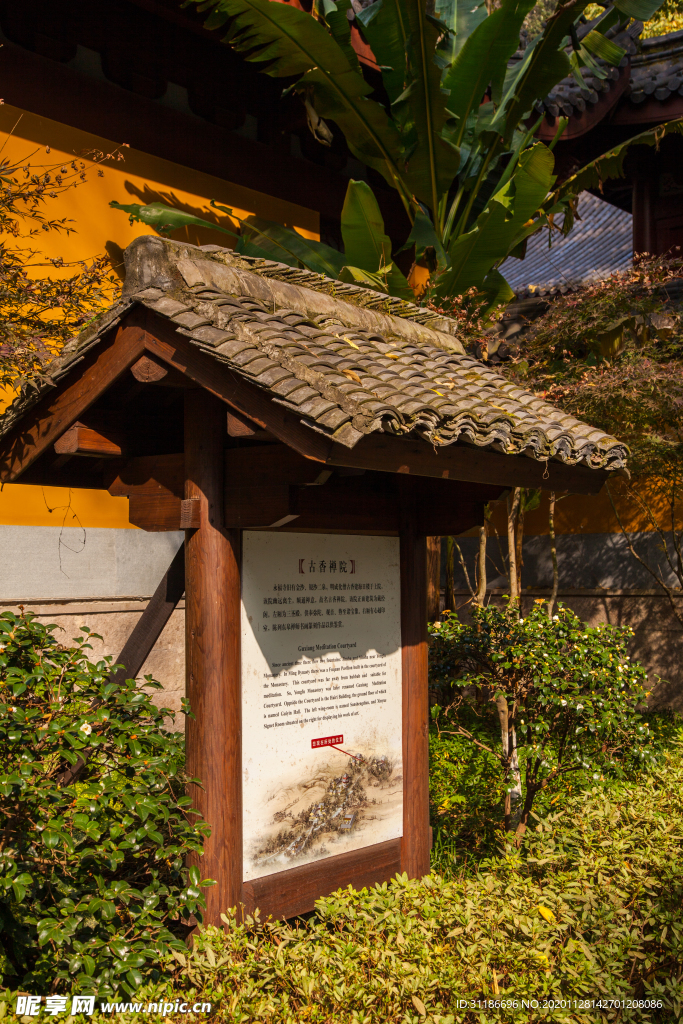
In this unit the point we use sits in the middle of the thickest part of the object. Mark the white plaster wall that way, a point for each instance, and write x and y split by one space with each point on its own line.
46 563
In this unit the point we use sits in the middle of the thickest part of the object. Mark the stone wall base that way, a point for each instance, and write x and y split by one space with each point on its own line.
115 620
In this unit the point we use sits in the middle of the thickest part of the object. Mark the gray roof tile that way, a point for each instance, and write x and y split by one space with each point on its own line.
432 390
600 243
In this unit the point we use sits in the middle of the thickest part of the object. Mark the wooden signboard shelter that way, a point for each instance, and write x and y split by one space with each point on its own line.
276 416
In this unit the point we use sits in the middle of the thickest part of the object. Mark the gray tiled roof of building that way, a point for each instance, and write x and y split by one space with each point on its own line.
658 69
600 243
654 68
568 98
338 356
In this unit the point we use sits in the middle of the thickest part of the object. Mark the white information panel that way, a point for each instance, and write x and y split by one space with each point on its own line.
321 697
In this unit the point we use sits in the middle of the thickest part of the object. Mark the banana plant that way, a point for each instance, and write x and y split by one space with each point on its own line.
452 129
366 259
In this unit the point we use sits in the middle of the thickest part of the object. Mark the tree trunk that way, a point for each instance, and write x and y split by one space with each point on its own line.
480 595
519 538
433 578
450 574
523 823
553 555
512 514
513 796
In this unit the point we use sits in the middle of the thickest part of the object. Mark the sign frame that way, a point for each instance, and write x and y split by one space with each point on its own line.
294 891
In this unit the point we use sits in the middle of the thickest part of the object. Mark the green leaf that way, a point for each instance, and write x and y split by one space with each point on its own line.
611 164
496 289
497 228
423 236
461 17
642 10
482 61
365 243
295 44
597 44
165 219
390 282
19 891
544 65
386 34
421 110
340 27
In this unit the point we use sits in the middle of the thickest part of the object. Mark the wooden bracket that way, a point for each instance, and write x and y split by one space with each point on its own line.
148 370
82 440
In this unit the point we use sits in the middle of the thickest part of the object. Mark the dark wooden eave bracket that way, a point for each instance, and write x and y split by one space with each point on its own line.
144 332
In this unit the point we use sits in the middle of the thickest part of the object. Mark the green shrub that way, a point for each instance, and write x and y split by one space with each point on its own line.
592 910
567 696
93 884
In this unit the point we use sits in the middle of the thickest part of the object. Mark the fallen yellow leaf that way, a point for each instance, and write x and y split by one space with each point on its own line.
419 1006
546 914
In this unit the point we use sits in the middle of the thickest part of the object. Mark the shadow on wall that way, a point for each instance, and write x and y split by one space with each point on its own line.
589 561
600 581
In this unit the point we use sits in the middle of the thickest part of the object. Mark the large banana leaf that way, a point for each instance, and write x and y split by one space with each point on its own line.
421 111
366 245
544 65
340 27
474 254
384 28
292 43
389 280
279 243
404 40
461 17
482 61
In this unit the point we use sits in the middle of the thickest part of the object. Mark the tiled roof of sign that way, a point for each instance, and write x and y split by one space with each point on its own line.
347 361
600 243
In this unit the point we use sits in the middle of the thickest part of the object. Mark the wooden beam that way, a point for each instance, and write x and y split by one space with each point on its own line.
150 371
240 426
434 576
164 342
212 621
415 841
155 513
150 625
266 465
288 893
64 405
150 475
82 440
415 457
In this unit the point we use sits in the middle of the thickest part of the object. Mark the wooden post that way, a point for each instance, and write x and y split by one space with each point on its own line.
212 602
433 578
415 843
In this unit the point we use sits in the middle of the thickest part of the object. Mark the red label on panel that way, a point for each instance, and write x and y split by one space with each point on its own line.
327 741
